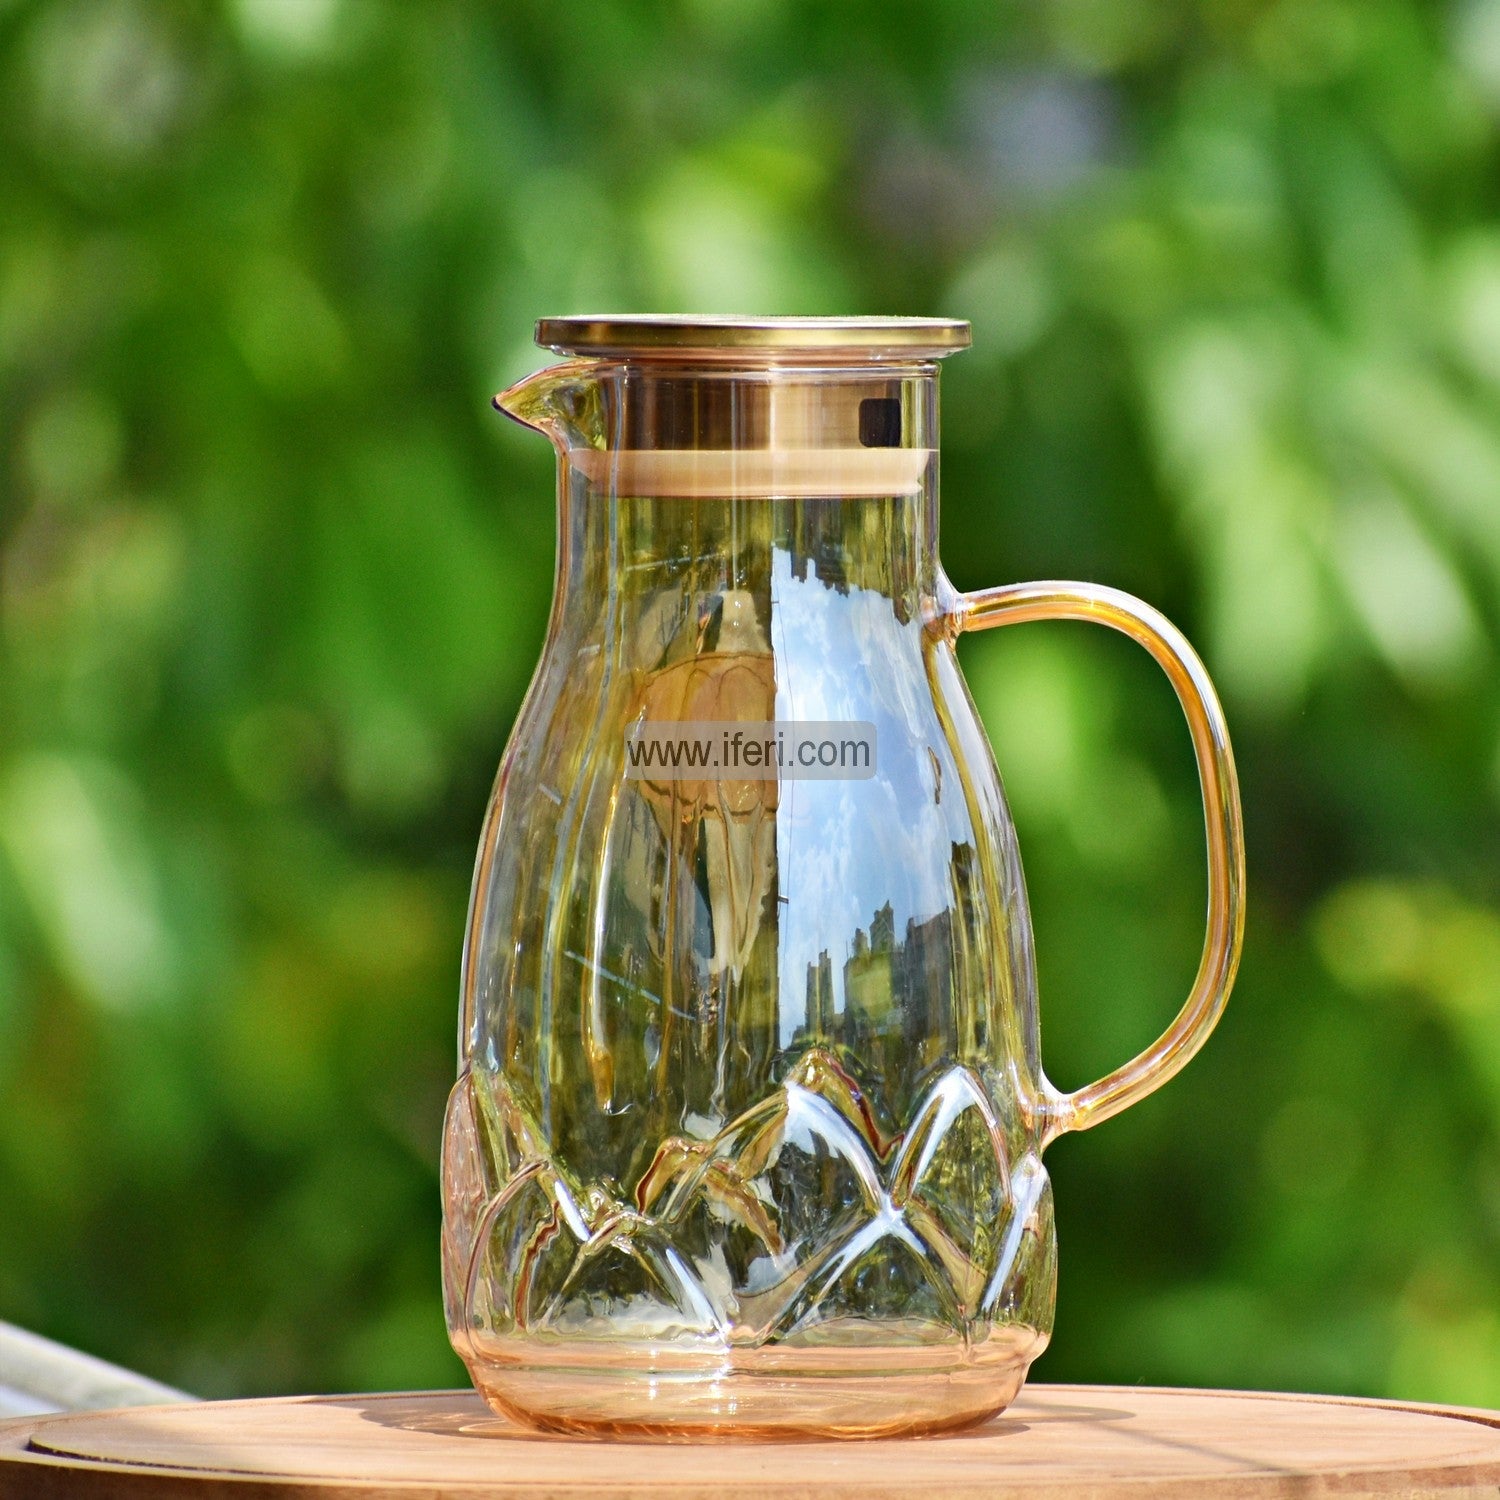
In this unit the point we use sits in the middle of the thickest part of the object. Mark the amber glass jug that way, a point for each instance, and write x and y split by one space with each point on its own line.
747 1136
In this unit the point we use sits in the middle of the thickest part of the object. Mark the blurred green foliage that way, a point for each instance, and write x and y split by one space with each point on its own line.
274 579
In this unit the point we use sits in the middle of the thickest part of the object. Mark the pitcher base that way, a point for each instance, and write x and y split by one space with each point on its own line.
855 1394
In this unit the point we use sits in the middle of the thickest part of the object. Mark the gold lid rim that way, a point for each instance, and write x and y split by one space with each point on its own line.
669 333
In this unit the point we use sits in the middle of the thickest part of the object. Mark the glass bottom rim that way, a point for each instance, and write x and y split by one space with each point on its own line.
876 1391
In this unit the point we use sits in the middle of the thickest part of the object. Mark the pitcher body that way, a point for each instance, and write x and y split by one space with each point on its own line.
748 1128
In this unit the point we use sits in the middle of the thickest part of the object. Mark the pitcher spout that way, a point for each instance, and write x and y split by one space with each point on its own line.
562 402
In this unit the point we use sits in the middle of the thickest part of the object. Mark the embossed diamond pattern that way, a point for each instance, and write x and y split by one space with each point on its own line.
797 1223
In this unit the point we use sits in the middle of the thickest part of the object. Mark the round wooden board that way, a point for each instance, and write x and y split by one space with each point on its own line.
1085 1442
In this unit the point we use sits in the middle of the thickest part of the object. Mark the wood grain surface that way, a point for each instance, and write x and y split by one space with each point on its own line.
1090 1442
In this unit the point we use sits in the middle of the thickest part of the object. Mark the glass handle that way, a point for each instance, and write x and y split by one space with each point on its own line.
1017 603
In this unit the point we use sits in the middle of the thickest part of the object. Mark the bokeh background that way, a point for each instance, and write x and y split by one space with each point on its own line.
274 578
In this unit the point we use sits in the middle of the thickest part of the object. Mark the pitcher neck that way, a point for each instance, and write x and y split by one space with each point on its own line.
733 470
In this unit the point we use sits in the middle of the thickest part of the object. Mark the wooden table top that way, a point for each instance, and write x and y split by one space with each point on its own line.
1085 1442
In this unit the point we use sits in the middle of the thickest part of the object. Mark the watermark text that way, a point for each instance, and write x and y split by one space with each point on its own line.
772 750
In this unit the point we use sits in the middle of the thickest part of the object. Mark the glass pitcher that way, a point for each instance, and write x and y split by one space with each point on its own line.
748 1128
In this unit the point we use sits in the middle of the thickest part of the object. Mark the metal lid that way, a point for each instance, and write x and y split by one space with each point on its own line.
657 334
